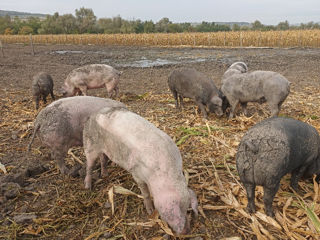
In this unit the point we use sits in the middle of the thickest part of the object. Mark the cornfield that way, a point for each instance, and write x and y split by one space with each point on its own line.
291 38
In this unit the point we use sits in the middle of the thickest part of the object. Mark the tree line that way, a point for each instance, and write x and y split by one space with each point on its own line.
84 21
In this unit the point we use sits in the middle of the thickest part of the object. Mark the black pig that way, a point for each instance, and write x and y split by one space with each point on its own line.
42 85
270 150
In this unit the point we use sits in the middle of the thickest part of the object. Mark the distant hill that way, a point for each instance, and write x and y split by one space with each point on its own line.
22 15
226 23
232 23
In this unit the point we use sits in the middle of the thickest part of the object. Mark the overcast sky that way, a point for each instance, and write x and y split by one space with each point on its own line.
266 11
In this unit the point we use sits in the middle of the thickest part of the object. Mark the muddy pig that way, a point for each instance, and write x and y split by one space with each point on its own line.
188 82
256 86
91 77
270 150
60 124
42 85
149 154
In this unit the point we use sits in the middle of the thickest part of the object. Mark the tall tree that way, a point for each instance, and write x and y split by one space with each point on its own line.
283 25
148 26
68 23
5 23
257 25
162 25
51 25
86 20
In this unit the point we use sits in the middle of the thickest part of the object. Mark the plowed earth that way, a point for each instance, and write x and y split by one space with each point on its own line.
36 202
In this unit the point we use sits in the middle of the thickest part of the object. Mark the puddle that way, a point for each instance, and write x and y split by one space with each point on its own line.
146 63
66 52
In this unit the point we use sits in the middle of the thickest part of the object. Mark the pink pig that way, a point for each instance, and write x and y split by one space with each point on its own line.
149 154
90 77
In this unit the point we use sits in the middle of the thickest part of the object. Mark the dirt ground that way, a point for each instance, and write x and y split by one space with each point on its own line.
36 202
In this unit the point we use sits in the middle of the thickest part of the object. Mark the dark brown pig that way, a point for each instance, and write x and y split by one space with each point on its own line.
60 124
270 150
42 86
149 154
188 82
90 77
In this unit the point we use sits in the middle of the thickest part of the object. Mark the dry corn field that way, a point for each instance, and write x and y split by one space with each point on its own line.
285 39
46 205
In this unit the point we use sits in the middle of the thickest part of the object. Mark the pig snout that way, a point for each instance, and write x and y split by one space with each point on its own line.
186 228
219 112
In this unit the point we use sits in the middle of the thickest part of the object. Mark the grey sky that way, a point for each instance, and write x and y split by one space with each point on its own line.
266 11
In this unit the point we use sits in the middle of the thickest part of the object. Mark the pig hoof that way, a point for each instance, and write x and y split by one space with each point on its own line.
149 207
64 171
87 186
87 183
270 214
251 210
104 174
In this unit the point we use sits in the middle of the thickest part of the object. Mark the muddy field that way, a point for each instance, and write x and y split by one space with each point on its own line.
36 202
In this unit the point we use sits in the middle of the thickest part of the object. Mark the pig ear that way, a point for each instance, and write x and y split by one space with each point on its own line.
194 202
216 100
244 66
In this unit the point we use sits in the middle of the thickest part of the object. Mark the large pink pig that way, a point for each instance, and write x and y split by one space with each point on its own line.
149 154
90 77
60 124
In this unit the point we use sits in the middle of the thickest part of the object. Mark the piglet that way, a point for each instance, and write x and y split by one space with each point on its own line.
270 150
60 124
42 85
90 77
149 154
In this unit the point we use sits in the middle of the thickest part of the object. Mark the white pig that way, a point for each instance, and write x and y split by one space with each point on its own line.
90 77
149 154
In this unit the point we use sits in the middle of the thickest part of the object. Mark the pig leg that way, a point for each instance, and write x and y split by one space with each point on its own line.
110 86
273 103
58 155
83 89
52 95
298 173
116 90
250 189
268 195
145 193
175 95
37 99
244 108
91 156
202 109
103 164
44 98
181 101
233 103
274 109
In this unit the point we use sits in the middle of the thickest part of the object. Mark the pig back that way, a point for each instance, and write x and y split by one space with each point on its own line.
262 151
275 147
68 115
136 144
93 74
303 139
